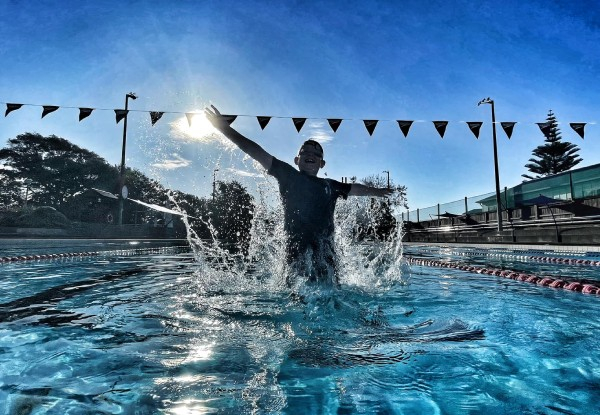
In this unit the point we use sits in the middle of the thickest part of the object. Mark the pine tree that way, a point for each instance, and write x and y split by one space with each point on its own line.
555 156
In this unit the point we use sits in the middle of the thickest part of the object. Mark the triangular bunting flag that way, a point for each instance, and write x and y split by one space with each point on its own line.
578 127
508 128
404 126
12 107
299 123
190 117
84 113
334 123
229 118
120 114
47 109
475 126
370 125
155 116
440 126
544 127
263 121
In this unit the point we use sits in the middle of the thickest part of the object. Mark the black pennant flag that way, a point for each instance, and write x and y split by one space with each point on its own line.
12 107
299 123
334 123
475 126
544 127
229 118
120 114
155 116
440 126
84 113
263 121
508 128
578 127
47 109
404 126
370 125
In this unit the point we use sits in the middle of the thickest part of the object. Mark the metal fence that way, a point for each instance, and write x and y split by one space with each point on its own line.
577 184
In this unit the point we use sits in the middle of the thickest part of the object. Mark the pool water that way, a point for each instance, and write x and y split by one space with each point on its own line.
153 333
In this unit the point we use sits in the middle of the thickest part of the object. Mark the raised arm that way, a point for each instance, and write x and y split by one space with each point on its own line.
358 189
244 143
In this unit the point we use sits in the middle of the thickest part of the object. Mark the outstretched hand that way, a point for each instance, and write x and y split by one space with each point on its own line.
216 119
358 189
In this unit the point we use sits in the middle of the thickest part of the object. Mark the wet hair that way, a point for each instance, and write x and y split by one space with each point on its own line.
314 144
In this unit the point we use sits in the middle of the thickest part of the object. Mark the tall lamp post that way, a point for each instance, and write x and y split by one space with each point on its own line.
498 204
122 188
388 177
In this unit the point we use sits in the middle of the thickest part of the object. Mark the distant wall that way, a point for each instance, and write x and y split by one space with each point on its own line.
92 230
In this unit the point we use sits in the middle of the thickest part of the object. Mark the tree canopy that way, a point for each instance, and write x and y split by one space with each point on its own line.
60 175
57 170
554 156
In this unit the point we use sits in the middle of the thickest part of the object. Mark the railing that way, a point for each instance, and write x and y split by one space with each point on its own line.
578 184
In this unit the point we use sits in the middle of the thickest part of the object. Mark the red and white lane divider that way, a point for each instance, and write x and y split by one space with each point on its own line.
513 275
21 258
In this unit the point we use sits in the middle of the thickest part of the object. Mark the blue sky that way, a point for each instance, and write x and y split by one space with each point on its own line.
385 60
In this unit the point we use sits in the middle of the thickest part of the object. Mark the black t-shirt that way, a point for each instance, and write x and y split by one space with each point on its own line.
308 204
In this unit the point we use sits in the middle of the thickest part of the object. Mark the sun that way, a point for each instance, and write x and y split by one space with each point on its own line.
194 125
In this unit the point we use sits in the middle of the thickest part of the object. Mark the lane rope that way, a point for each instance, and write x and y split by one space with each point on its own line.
525 256
544 281
126 252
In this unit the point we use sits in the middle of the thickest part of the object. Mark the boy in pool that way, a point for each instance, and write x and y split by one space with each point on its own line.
308 201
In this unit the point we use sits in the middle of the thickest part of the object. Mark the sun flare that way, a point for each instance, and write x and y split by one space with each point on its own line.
194 125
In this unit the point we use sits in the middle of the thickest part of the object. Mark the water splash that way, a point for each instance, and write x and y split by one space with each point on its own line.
368 264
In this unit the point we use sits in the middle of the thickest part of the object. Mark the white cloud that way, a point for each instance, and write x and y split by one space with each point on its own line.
176 163
319 131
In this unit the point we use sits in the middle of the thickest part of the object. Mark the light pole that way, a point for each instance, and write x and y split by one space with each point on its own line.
388 177
122 190
214 183
498 204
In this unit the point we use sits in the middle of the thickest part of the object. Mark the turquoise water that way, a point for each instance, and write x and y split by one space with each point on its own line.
155 333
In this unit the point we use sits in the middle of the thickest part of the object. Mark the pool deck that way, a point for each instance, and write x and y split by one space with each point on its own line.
566 249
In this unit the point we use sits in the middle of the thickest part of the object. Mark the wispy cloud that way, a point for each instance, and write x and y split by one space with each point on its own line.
319 131
243 173
176 163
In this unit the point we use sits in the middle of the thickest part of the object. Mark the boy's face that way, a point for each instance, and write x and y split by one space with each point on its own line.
309 159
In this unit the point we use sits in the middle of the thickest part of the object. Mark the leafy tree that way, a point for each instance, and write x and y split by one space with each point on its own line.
10 190
555 156
58 169
198 211
231 213
63 174
378 219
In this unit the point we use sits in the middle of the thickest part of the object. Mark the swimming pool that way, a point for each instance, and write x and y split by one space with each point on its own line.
148 331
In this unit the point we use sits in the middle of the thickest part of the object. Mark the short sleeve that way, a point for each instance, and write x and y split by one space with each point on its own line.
341 189
279 169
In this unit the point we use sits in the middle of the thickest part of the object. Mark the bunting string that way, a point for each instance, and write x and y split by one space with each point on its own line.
334 123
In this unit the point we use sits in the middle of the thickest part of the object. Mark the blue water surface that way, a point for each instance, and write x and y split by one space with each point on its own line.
151 334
